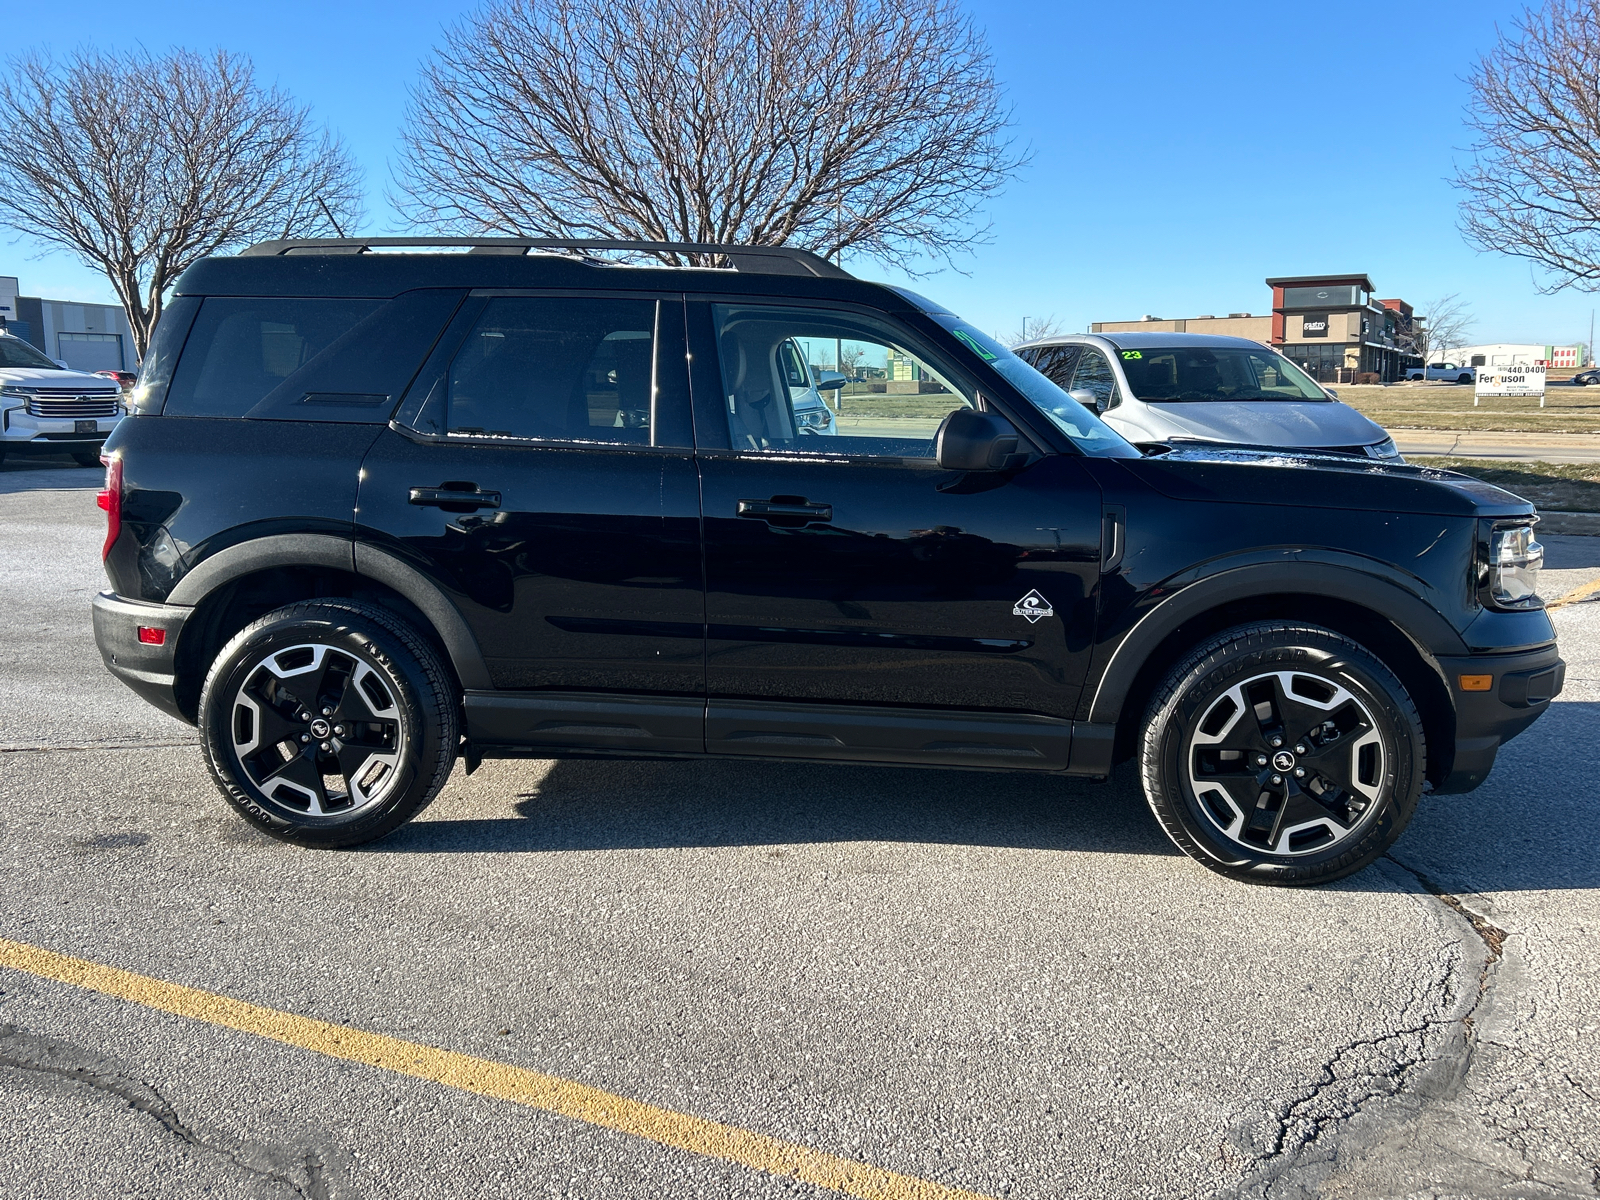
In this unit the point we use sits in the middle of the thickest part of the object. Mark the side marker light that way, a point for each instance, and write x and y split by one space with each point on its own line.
1476 683
152 637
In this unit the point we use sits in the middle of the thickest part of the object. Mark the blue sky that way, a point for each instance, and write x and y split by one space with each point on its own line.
1181 152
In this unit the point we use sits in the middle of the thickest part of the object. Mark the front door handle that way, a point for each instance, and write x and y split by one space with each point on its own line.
455 497
781 507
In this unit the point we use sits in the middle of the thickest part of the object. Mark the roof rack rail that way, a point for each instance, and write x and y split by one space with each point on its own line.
760 260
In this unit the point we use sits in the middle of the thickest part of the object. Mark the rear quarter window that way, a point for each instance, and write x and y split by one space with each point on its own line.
305 358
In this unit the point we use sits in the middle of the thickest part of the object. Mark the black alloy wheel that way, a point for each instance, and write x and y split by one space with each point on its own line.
328 723
1282 753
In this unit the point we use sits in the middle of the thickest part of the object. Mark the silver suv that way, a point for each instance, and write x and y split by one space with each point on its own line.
48 408
1187 387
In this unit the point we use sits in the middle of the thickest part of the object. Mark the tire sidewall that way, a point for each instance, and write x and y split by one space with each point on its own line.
1326 656
245 654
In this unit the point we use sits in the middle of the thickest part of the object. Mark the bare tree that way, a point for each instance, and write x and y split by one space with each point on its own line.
1533 185
1033 328
1439 328
140 165
866 125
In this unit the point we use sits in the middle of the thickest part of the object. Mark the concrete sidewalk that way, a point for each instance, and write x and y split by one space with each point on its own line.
1517 447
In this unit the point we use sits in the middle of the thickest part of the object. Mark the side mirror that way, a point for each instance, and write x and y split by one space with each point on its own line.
1332 395
969 440
1088 399
62 363
828 381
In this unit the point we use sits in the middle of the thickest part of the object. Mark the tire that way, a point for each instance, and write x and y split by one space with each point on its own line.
299 678
1463 378
86 458
1348 726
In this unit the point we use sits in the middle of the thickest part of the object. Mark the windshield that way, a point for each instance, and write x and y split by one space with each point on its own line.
14 352
1087 431
1188 373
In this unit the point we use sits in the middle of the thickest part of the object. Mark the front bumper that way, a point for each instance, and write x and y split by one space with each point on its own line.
23 433
147 669
1521 688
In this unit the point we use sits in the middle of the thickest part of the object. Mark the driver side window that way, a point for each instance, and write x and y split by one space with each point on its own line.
1094 375
819 381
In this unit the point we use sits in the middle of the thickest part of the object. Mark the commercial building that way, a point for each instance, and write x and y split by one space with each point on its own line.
87 337
1332 325
1506 354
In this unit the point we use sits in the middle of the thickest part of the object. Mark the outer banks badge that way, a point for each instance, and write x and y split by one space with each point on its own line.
1033 607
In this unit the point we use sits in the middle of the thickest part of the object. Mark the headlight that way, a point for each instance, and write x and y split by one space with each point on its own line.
1512 574
18 393
815 419
1385 449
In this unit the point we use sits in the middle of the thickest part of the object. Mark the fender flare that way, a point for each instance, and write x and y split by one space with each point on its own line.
352 558
1406 610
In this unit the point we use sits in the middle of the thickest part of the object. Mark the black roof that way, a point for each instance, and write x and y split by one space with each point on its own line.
351 267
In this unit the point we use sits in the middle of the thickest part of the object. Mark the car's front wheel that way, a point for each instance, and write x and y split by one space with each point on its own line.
328 722
1282 753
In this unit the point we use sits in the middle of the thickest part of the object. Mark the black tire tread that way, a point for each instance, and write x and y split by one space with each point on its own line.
1215 652
441 700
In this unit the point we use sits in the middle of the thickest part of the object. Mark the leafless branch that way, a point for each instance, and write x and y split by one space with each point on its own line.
866 125
1438 328
142 164
1033 328
1533 186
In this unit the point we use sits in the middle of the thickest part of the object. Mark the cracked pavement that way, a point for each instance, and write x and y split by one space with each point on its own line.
1011 985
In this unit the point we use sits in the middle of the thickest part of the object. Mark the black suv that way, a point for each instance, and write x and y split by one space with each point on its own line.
377 510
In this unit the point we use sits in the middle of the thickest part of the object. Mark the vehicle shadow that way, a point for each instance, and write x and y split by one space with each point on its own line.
586 804
1533 826
54 472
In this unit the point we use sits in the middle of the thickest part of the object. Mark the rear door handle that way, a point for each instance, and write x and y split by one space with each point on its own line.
459 497
766 510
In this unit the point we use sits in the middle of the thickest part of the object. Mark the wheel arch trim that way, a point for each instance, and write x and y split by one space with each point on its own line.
1408 612
353 558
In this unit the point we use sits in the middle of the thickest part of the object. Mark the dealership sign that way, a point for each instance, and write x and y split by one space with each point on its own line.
1519 380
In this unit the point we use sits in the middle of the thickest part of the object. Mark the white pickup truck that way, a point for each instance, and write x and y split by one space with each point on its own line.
1442 370
48 408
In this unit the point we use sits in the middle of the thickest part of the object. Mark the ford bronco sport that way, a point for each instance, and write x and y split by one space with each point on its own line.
377 510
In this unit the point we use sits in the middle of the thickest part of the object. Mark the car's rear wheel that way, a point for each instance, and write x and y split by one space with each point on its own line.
1463 378
328 723
1282 753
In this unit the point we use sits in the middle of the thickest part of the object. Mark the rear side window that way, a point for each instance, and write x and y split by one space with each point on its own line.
239 350
577 369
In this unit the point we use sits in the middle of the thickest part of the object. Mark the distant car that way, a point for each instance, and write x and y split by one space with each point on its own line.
47 408
1585 378
1178 387
125 378
1442 370
805 383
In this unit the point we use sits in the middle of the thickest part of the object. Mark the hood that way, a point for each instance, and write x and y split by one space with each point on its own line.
45 377
1307 423
1321 481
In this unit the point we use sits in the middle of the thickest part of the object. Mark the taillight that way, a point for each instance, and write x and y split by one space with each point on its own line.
110 499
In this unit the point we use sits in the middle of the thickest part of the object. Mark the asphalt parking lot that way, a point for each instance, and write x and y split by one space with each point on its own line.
966 982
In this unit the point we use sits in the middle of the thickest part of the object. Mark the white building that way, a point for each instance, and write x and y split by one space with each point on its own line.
1506 354
87 337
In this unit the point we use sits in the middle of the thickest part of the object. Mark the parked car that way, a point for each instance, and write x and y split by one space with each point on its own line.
377 512
1178 387
1443 370
46 408
125 379
1585 378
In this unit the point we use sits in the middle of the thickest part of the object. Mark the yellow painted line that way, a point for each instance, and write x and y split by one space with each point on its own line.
533 1089
1578 593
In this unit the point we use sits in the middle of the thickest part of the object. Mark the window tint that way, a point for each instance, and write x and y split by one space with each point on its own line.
1094 376
239 350
814 381
14 352
1055 363
563 368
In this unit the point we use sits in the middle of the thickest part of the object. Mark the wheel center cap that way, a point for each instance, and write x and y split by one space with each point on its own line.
320 728
1283 761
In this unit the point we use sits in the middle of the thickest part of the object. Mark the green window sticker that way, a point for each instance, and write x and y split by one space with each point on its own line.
1132 354
973 345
